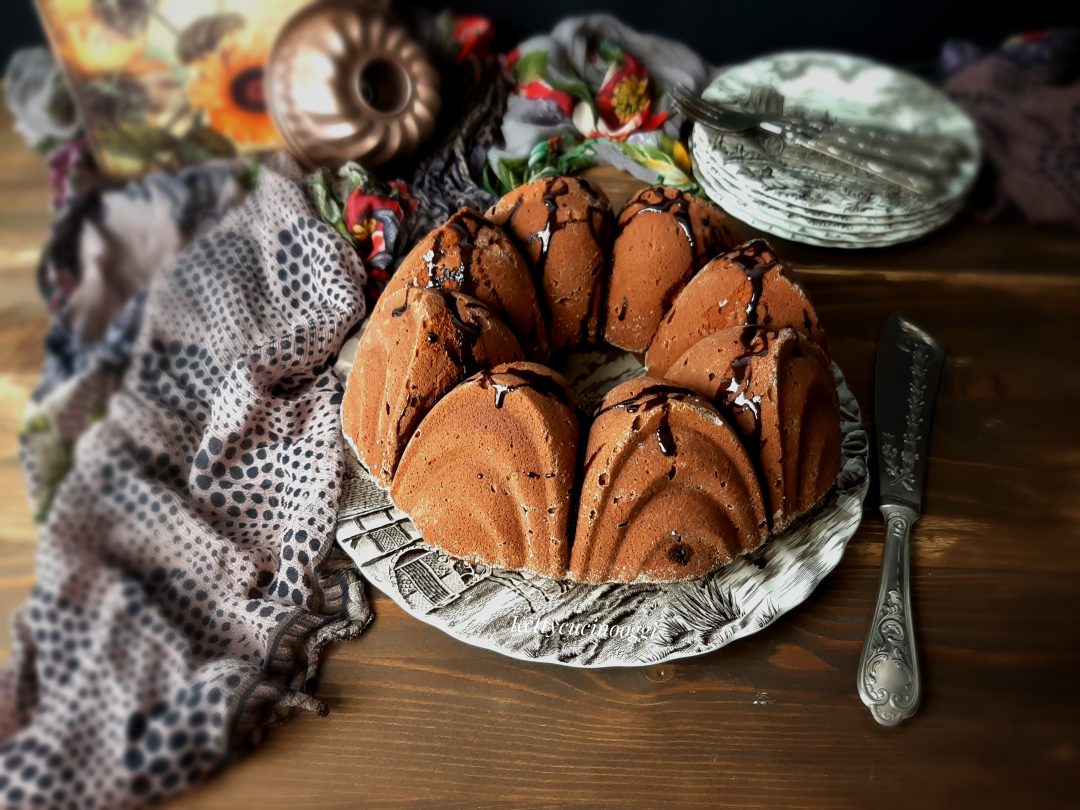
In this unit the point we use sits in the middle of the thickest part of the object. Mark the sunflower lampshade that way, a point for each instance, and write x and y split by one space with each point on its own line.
163 83
228 88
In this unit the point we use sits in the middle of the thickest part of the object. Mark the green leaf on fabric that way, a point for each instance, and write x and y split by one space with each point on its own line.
656 160
531 65
511 173
578 158
47 144
665 142
249 178
539 155
574 87
138 141
610 51
322 199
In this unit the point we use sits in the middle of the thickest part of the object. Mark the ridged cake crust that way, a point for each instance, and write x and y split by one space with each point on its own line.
744 286
668 491
471 255
663 237
418 345
734 434
490 474
564 226
779 391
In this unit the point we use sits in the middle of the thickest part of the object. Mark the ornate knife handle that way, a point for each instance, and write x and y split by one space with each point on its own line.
889 667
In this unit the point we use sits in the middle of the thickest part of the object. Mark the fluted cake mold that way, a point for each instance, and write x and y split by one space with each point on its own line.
346 81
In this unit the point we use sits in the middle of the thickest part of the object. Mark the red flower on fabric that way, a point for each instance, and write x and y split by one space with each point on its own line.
623 104
538 89
363 225
473 35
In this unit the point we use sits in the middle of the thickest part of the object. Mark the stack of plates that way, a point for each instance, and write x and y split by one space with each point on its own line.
815 201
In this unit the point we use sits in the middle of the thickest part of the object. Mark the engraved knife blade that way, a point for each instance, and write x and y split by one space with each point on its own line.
908 369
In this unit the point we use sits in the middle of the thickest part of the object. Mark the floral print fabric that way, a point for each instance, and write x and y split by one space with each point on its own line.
594 92
371 214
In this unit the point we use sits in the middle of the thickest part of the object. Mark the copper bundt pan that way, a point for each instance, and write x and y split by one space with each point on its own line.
347 82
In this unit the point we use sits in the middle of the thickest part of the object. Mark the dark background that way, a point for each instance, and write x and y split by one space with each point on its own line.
904 33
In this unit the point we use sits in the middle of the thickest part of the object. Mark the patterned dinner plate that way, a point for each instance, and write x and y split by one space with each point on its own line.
825 219
534 618
811 230
812 200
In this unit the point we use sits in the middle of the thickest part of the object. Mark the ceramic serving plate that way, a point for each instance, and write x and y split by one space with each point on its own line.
826 220
809 201
534 618
814 231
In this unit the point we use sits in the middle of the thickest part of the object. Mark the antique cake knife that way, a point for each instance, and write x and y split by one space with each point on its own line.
908 368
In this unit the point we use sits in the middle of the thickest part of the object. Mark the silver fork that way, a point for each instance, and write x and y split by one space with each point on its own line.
914 162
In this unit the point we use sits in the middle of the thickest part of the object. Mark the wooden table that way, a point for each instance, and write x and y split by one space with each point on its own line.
772 721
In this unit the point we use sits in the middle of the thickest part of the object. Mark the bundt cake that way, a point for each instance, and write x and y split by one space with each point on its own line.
667 492
778 389
664 236
418 345
564 226
471 255
489 475
734 433
746 285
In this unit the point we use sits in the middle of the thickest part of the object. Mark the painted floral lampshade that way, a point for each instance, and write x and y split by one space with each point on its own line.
164 83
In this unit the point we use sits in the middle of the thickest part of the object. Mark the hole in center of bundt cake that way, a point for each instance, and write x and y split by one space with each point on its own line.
596 370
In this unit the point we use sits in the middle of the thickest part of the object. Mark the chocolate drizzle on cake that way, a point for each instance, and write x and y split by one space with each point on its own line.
458 276
649 397
664 436
526 378
596 217
677 208
678 205
750 260
729 445
500 392
735 397
735 389
397 312
680 553
553 190
600 221
462 350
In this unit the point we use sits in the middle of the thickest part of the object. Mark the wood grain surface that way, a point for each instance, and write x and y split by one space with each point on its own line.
772 721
